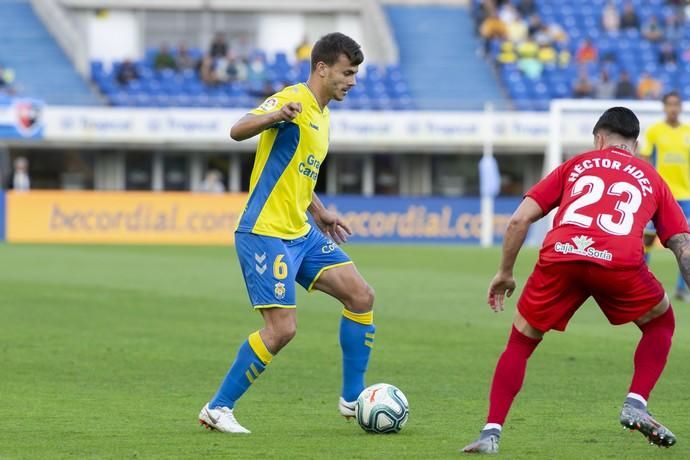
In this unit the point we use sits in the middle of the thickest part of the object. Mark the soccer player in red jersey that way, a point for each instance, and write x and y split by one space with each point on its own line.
604 198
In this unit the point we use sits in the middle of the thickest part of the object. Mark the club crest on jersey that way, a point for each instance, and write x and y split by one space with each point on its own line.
269 104
279 291
582 247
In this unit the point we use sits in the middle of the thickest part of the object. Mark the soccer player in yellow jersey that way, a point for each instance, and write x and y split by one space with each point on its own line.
667 147
276 245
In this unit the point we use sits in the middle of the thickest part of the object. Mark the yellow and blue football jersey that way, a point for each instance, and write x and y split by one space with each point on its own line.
668 149
288 158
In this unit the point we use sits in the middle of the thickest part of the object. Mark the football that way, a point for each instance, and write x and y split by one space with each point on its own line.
382 408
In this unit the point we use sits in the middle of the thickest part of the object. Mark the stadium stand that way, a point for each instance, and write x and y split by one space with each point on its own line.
432 67
40 67
377 89
553 49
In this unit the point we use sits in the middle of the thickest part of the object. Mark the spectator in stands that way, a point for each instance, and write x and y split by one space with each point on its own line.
542 36
184 60
648 87
528 61
492 28
236 69
303 50
243 47
516 29
164 59
583 88
527 8
629 19
507 54
610 19
256 70
219 47
6 79
508 13
207 71
557 34
547 54
20 175
127 72
667 53
535 26
605 88
652 30
213 182
586 53
624 88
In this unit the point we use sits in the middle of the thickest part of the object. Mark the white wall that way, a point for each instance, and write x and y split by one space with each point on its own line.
280 32
113 36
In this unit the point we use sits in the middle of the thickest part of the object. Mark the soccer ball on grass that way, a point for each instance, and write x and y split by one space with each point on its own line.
382 408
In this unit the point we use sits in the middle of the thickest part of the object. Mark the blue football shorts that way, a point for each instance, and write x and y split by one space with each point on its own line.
684 205
271 266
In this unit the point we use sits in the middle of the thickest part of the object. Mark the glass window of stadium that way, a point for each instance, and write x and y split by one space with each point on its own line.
458 175
51 169
220 164
455 175
138 171
175 172
387 174
519 172
349 173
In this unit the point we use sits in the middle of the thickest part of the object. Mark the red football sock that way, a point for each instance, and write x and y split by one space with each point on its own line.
509 375
652 353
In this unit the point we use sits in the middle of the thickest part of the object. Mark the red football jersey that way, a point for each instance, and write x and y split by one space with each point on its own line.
605 199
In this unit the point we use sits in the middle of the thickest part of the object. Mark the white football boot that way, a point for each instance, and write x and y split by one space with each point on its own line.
346 409
221 419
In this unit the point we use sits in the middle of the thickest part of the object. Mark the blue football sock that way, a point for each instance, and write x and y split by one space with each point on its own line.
356 340
680 284
252 358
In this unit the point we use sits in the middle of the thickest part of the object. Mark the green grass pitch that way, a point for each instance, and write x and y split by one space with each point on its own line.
110 352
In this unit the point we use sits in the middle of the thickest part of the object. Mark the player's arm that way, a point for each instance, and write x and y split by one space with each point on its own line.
503 283
250 125
328 222
679 244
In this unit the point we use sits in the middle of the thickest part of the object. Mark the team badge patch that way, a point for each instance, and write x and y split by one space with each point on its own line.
279 291
269 104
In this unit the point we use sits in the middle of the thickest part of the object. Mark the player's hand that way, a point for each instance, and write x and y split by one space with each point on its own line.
332 226
501 286
289 111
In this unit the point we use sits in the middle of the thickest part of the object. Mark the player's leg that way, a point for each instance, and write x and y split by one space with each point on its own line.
507 381
682 292
255 354
649 239
356 328
267 269
633 295
548 301
650 358
328 269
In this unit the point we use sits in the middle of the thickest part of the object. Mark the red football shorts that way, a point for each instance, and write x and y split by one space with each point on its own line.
554 292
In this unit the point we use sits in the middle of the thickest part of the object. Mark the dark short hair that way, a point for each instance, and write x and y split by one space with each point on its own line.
671 94
329 48
619 120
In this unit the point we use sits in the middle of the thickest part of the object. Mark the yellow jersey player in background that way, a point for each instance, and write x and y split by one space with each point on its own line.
667 147
276 245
